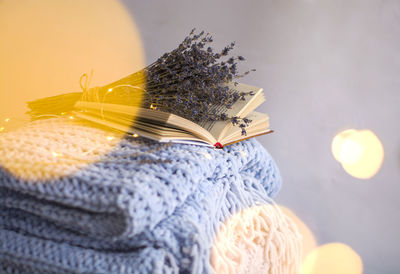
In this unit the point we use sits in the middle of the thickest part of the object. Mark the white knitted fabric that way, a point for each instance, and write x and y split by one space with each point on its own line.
260 239
51 148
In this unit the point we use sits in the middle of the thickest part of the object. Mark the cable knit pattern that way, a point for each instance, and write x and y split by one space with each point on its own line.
135 206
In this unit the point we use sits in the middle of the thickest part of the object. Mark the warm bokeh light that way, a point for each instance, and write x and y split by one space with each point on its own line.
51 148
333 258
260 239
308 240
338 141
274 234
46 46
360 152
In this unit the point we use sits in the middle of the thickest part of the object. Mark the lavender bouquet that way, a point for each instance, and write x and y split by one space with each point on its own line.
190 81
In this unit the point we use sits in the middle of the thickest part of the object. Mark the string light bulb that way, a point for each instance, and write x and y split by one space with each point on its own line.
135 135
71 117
109 138
7 120
1 129
56 154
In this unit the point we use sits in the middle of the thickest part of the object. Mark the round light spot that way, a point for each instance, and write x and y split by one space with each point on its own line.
333 258
308 240
46 47
360 152
338 141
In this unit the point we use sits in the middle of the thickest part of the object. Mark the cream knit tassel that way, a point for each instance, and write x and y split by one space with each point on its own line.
258 240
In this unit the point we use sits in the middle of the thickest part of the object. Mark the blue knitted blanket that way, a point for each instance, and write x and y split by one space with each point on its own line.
143 207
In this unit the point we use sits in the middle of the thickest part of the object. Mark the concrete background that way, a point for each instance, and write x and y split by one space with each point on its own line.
325 66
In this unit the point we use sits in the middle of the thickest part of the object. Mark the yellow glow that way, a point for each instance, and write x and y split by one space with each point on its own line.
56 154
110 89
338 141
333 258
46 46
308 239
135 135
109 138
52 149
7 120
50 44
1 129
351 152
153 107
360 152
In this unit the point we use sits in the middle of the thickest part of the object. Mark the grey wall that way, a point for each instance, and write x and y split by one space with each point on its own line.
325 65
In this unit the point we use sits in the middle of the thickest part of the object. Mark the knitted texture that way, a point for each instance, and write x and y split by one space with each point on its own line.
125 206
258 239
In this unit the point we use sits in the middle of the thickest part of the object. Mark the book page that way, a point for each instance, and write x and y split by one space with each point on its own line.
208 131
129 115
240 109
259 124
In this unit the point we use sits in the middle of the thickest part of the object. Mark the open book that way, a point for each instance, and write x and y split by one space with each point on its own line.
168 127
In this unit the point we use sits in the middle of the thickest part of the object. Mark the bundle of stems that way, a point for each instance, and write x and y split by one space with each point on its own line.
190 81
